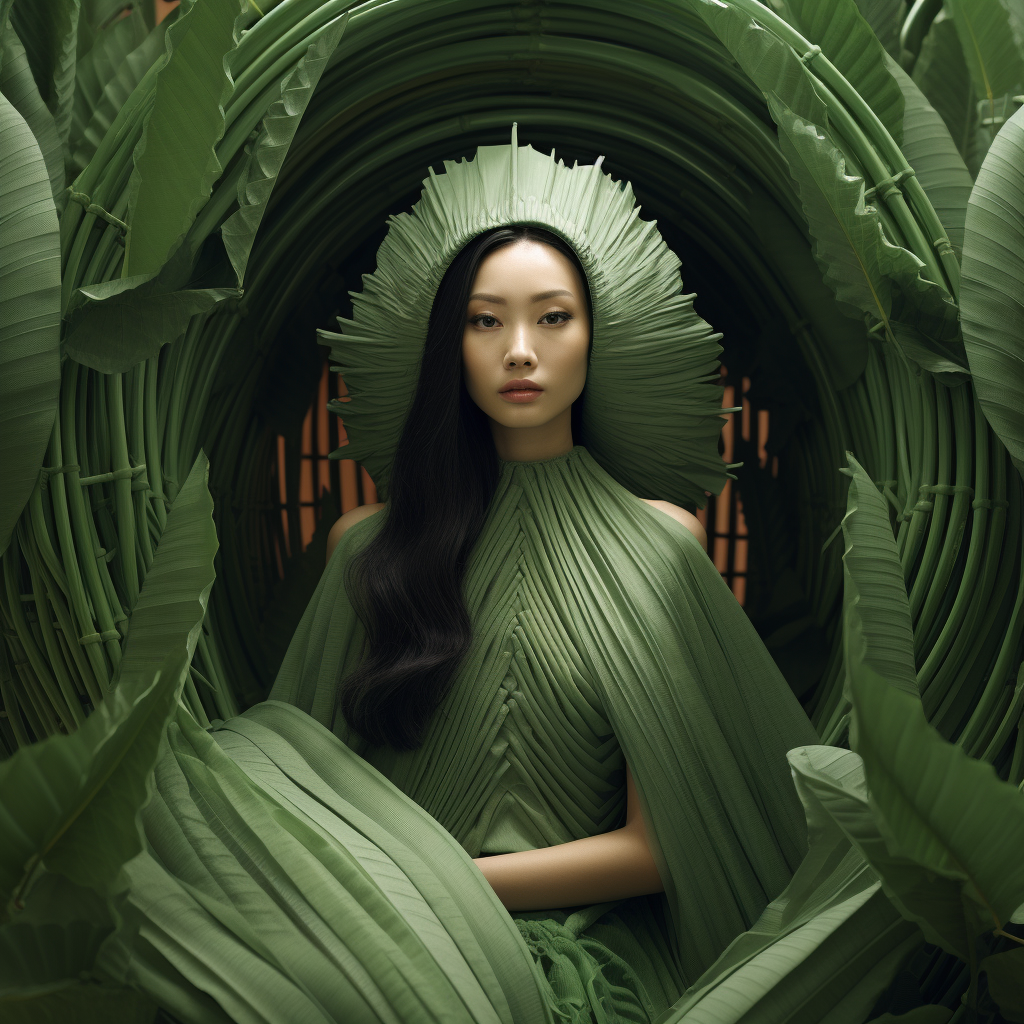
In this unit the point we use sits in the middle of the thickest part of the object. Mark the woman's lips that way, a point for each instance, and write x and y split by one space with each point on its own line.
525 395
521 390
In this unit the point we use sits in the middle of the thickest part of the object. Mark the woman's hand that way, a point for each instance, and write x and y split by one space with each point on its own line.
604 867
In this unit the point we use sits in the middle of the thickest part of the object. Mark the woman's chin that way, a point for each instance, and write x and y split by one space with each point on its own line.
514 416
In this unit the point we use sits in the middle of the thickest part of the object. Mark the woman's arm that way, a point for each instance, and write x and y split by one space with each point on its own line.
609 866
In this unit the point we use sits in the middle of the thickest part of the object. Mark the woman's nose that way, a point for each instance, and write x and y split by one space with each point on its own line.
520 352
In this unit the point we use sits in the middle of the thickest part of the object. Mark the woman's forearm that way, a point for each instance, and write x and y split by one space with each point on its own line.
604 867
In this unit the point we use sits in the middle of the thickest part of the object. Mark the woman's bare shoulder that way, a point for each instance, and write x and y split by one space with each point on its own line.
352 516
688 519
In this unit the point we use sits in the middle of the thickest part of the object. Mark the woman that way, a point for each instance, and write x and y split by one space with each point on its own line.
535 693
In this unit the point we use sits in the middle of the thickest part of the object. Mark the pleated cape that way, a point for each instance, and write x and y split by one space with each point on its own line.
702 714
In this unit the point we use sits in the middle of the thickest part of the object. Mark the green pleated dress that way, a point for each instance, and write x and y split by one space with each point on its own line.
293 874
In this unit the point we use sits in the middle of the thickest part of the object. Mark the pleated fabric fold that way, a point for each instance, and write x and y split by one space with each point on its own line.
286 881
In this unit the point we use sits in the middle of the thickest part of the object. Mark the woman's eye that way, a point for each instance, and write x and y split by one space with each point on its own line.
485 320
562 317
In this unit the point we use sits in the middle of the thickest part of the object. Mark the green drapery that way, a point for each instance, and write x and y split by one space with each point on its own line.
297 875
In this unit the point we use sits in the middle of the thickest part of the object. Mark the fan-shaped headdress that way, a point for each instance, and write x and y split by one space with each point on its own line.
651 410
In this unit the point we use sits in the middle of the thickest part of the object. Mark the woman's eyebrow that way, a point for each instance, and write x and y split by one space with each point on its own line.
536 298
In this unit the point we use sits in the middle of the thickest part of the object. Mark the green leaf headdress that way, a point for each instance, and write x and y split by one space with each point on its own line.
651 408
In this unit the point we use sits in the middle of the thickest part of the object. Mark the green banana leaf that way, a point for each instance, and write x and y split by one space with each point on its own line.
992 295
86 138
947 362
29 315
18 85
931 151
868 273
1006 982
940 828
771 64
848 904
114 325
48 959
175 160
877 628
97 15
991 38
70 801
885 18
848 41
95 68
265 155
991 35
942 75
48 30
952 828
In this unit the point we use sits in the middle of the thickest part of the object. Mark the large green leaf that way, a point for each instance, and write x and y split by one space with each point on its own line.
175 160
769 62
95 68
942 75
130 72
97 15
29 314
832 897
992 288
117 324
951 827
48 959
848 41
992 37
18 85
989 36
266 153
71 801
938 165
877 626
885 18
940 809
834 781
868 273
48 30
1006 982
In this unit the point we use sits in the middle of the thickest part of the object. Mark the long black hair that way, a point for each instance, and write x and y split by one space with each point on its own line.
406 584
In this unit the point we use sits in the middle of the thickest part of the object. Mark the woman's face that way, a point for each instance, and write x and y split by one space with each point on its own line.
526 320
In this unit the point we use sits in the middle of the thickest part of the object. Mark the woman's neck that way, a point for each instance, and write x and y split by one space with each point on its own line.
531 444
